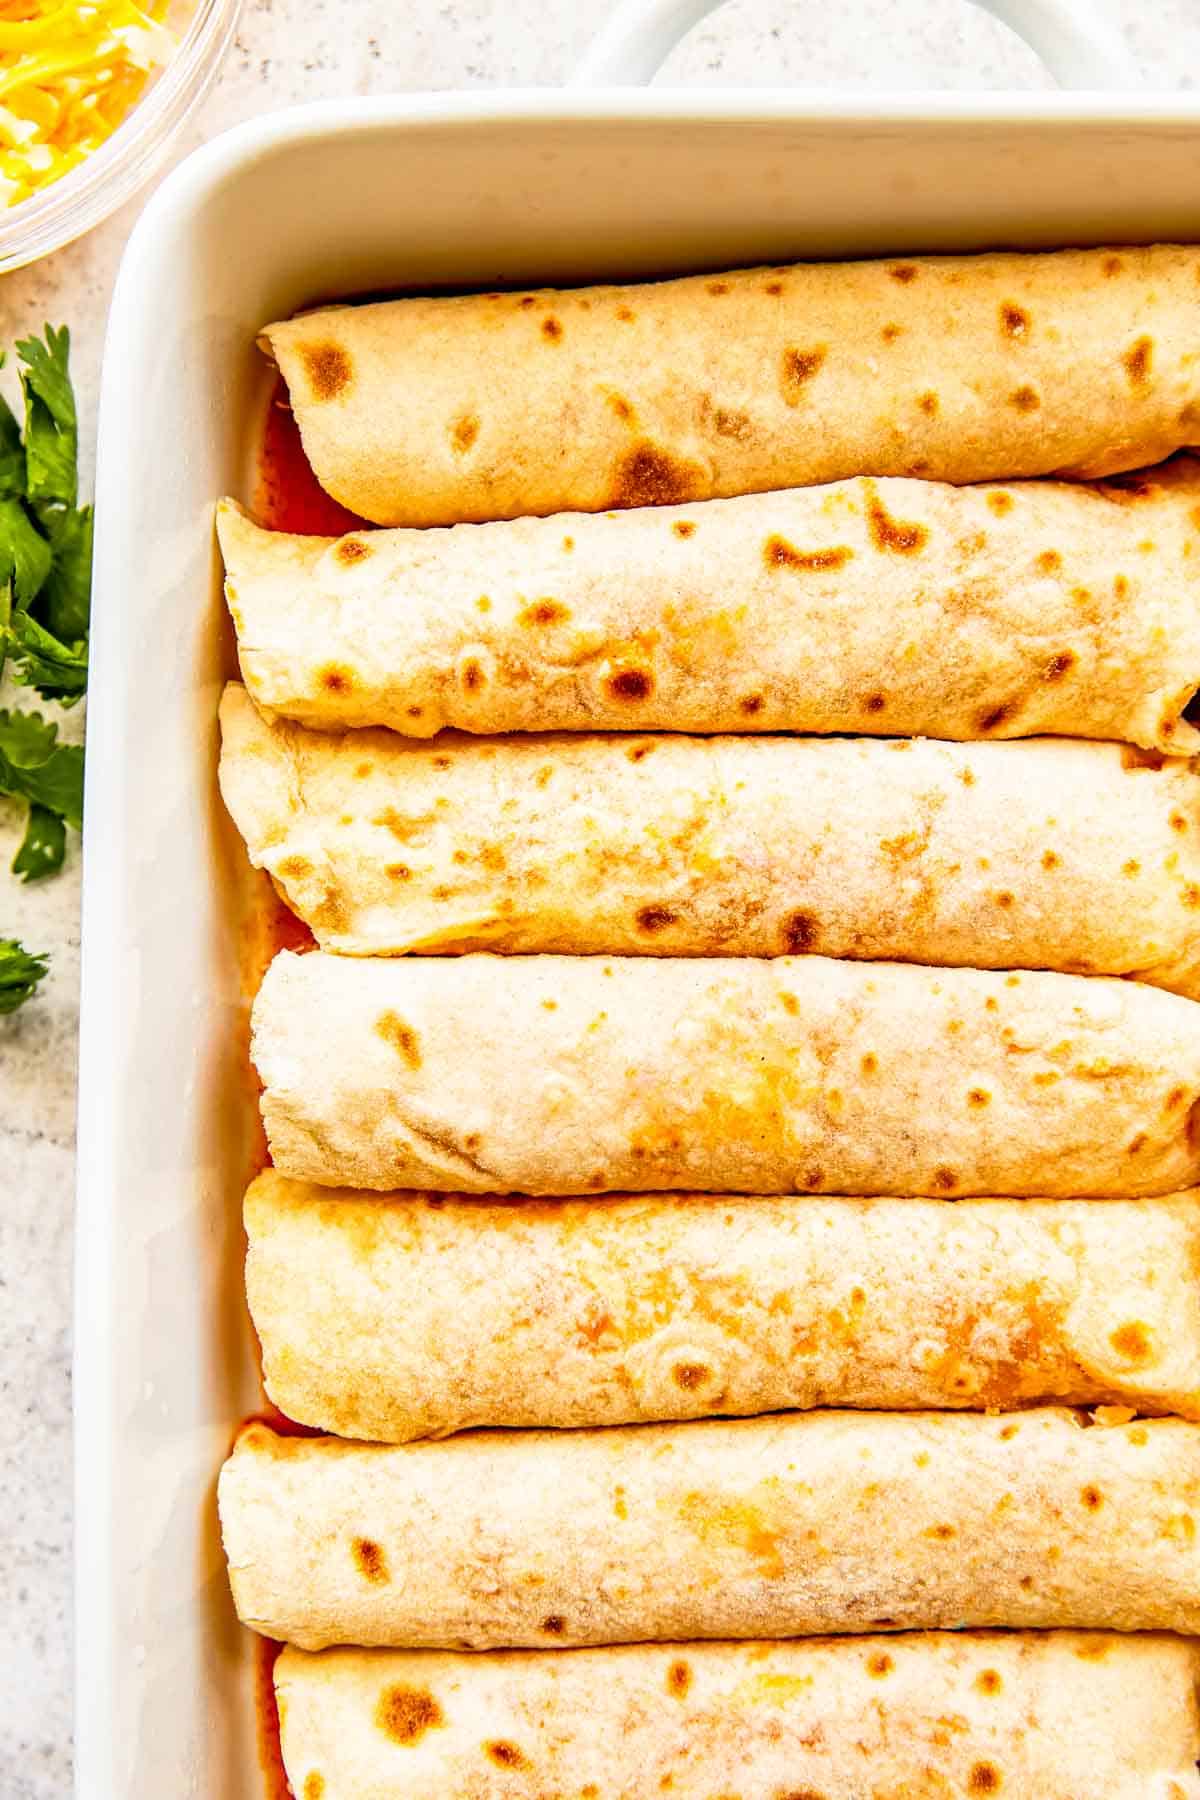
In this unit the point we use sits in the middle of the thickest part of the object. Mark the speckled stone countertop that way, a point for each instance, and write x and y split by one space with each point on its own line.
287 51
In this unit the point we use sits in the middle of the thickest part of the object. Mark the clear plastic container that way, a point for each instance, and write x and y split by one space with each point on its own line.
115 172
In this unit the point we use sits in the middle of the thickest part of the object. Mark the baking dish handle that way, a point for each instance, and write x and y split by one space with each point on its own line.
1079 49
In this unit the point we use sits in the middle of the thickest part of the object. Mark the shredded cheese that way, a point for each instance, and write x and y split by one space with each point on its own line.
71 71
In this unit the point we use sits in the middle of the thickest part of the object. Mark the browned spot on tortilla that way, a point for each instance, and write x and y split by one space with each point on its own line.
679 1678
1049 562
1121 587
546 611
750 704
625 314
944 1532
463 432
789 1002
1137 1143
621 406
295 867
779 554
526 301
875 703
314 1785
568 543
351 550
1060 664
890 333
683 528
870 1063
504 1754
797 369
472 675
898 536
336 678
1014 320
1000 501
879 1664
1009 1432
812 1178
1092 1498
650 476
483 605
978 1096
928 403
995 716
1112 265
656 918
773 287
903 272
630 684
1191 896
402 1038
718 287
1132 1341
967 777
414 712
328 368
405 1714
945 1180
552 328
554 1625
689 1375
1175 1098
370 1560
800 933
984 1778
636 752
729 423
988 1681
1138 361
1025 398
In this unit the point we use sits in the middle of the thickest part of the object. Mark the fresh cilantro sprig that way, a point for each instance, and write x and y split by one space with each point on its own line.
19 974
45 596
45 537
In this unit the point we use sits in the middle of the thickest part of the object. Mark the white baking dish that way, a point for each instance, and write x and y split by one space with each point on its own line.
324 200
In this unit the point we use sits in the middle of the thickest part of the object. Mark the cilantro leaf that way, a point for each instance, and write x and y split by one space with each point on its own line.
35 766
12 451
43 847
19 974
26 739
64 598
58 671
51 429
25 556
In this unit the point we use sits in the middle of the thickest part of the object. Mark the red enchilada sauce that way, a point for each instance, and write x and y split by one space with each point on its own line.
288 496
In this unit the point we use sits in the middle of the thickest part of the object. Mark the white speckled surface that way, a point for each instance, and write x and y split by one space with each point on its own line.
290 50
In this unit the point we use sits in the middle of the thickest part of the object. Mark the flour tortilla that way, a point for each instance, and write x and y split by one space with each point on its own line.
960 368
559 1075
790 1525
414 1316
1045 854
1038 1716
898 608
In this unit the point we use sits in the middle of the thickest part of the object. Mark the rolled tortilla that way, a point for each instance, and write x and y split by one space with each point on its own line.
413 1317
961 368
1046 854
789 1525
561 1075
889 607
1037 1716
